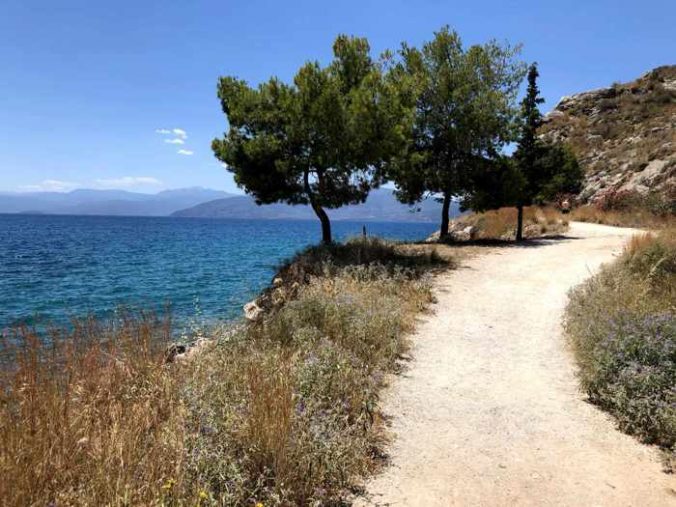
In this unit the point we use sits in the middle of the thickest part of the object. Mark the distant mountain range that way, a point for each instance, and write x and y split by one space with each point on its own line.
197 202
106 202
381 205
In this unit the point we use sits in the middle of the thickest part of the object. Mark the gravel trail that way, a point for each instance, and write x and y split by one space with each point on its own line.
489 411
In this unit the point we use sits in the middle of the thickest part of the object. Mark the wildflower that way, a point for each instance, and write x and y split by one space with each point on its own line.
203 495
259 504
169 484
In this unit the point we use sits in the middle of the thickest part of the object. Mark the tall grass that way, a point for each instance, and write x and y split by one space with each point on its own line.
90 414
622 328
282 411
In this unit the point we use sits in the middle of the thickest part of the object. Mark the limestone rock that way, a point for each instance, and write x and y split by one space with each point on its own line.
624 136
252 312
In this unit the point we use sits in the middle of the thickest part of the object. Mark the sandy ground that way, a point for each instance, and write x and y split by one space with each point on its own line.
489 411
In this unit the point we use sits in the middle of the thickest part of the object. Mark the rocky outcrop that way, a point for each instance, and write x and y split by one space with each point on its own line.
252 311
178 352
624 136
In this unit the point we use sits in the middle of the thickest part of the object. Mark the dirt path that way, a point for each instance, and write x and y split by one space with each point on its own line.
489 412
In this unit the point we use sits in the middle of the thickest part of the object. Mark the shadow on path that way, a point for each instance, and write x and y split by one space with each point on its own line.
505 243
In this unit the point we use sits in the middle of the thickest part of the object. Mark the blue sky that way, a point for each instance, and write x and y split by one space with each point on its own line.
86 85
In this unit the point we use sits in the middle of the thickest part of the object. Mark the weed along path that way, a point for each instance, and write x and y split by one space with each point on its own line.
489 411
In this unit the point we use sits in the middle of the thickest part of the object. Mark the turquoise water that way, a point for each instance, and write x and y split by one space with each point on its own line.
53 268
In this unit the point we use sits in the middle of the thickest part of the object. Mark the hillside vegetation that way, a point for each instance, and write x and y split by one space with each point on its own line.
622 327
279 411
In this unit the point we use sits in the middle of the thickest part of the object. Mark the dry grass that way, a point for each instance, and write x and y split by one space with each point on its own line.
282 412
622 328
500 224
635 217
92 415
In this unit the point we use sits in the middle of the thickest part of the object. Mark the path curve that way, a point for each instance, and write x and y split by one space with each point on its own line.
489 412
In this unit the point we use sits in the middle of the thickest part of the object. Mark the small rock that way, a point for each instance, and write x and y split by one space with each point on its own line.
460 235
196 349
277 281
252 311
172 351
471 231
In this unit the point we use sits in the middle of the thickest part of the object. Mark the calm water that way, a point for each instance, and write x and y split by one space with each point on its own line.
56 267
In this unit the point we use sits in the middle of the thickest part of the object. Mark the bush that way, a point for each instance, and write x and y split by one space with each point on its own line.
622 327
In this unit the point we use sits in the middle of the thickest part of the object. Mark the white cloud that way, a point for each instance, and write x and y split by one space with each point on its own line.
174 141
184 152
163 131
127 182
180 133
51 186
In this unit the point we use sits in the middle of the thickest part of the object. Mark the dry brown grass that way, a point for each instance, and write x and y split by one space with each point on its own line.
638 217
91 415
282 412
501 223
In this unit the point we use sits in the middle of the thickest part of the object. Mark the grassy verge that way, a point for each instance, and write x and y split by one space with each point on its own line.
622 327
282 411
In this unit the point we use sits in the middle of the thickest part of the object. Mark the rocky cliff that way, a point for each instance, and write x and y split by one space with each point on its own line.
624 136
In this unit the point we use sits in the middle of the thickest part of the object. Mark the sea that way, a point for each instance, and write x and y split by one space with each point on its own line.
56 268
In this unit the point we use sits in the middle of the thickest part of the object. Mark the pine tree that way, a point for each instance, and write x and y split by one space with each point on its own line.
527 151
463 103
324 140
536 173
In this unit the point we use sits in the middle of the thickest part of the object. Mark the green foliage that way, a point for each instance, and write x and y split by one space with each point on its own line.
622 326
558 172
463 99
546 170
324 140
531 119
536 173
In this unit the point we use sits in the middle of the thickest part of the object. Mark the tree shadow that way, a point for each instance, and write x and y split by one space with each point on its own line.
504 243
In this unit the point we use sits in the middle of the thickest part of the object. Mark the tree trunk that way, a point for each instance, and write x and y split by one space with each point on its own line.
519 223
443 231
326 223
319 211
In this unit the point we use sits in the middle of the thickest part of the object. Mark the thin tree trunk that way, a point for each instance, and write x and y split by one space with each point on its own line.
443 231
326 223
519 223
319 211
